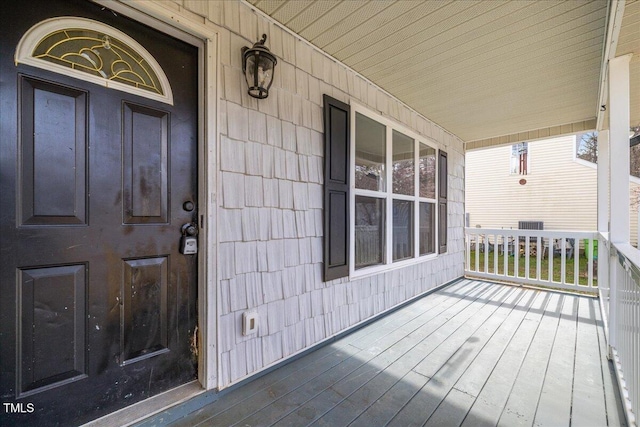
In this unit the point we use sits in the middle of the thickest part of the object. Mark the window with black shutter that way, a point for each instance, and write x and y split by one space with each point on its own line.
395 210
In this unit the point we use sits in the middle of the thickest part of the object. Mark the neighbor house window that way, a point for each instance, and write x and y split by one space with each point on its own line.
520 158
394 176
587 149
587 146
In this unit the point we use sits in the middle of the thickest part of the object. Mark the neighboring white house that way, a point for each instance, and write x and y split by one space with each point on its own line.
536 181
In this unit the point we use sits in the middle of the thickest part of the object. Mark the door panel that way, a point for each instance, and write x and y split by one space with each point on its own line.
145 165
52 326
144 325
53 147
97 305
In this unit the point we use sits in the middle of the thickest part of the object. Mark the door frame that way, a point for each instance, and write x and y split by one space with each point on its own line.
206 38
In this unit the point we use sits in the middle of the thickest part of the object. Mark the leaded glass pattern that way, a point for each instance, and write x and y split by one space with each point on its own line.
98 54
95 52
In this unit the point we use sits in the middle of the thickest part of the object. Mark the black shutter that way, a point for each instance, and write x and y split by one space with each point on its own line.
336 188
442 201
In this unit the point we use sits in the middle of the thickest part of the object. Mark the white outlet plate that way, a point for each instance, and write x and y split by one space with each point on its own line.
249 322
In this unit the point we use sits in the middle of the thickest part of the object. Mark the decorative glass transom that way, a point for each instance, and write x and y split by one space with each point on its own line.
93 51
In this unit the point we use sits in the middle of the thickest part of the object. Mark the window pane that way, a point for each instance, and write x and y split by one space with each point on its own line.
427 228
370 231
520 158
634 161
587 146
403 164
427 171
402 229
371 152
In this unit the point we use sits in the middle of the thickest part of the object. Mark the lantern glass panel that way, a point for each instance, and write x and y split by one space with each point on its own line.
259 74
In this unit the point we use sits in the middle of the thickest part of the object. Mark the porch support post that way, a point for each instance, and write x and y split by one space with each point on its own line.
619 143
603 181
619 117
603 221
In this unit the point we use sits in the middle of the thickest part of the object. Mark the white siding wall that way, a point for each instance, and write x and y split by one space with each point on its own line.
270 206
559 191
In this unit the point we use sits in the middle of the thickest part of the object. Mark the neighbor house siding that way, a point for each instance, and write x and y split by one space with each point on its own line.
270 203
559 190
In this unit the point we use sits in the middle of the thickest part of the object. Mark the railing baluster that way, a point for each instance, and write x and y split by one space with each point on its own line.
477 260
590 259
526 255
563 260
468 254
516 256
496 255
576 261
487 245
506 255
539 254
551 246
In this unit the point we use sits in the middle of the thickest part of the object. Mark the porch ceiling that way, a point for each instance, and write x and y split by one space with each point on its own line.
480 69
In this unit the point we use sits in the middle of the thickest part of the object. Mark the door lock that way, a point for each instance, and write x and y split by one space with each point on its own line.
189 241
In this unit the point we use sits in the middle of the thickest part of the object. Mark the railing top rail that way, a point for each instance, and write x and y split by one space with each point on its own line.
533 233
629 258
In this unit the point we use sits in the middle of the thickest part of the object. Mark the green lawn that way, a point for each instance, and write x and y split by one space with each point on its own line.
544 267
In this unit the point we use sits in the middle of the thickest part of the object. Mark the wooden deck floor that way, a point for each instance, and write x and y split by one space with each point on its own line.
471 354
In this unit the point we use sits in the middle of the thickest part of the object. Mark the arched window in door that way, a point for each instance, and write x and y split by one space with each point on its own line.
95 52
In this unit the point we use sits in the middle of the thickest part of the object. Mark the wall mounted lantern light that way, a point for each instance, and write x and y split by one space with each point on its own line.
258 64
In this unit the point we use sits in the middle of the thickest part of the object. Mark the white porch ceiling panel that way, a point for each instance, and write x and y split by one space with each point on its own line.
481 69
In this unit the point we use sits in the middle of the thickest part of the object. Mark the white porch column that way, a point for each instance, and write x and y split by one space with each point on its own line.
603 181
619 173
619 146
603 214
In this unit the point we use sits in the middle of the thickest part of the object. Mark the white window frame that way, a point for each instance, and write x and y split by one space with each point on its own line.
511 158
388 195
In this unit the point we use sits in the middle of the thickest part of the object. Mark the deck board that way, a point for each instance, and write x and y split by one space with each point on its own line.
615 412
588 404
443 377
521 406
444 360
554 407
474 353
490 402
452 333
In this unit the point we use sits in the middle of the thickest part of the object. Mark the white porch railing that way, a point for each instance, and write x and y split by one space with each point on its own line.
624 324
557 259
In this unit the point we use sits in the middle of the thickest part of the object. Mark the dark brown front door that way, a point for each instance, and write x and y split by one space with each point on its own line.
97 304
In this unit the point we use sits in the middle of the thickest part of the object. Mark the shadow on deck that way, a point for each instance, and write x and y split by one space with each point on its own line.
471 354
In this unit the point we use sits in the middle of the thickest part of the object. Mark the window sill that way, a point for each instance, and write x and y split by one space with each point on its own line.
379 269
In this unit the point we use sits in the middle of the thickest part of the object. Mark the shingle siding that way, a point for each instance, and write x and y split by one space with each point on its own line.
270 210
